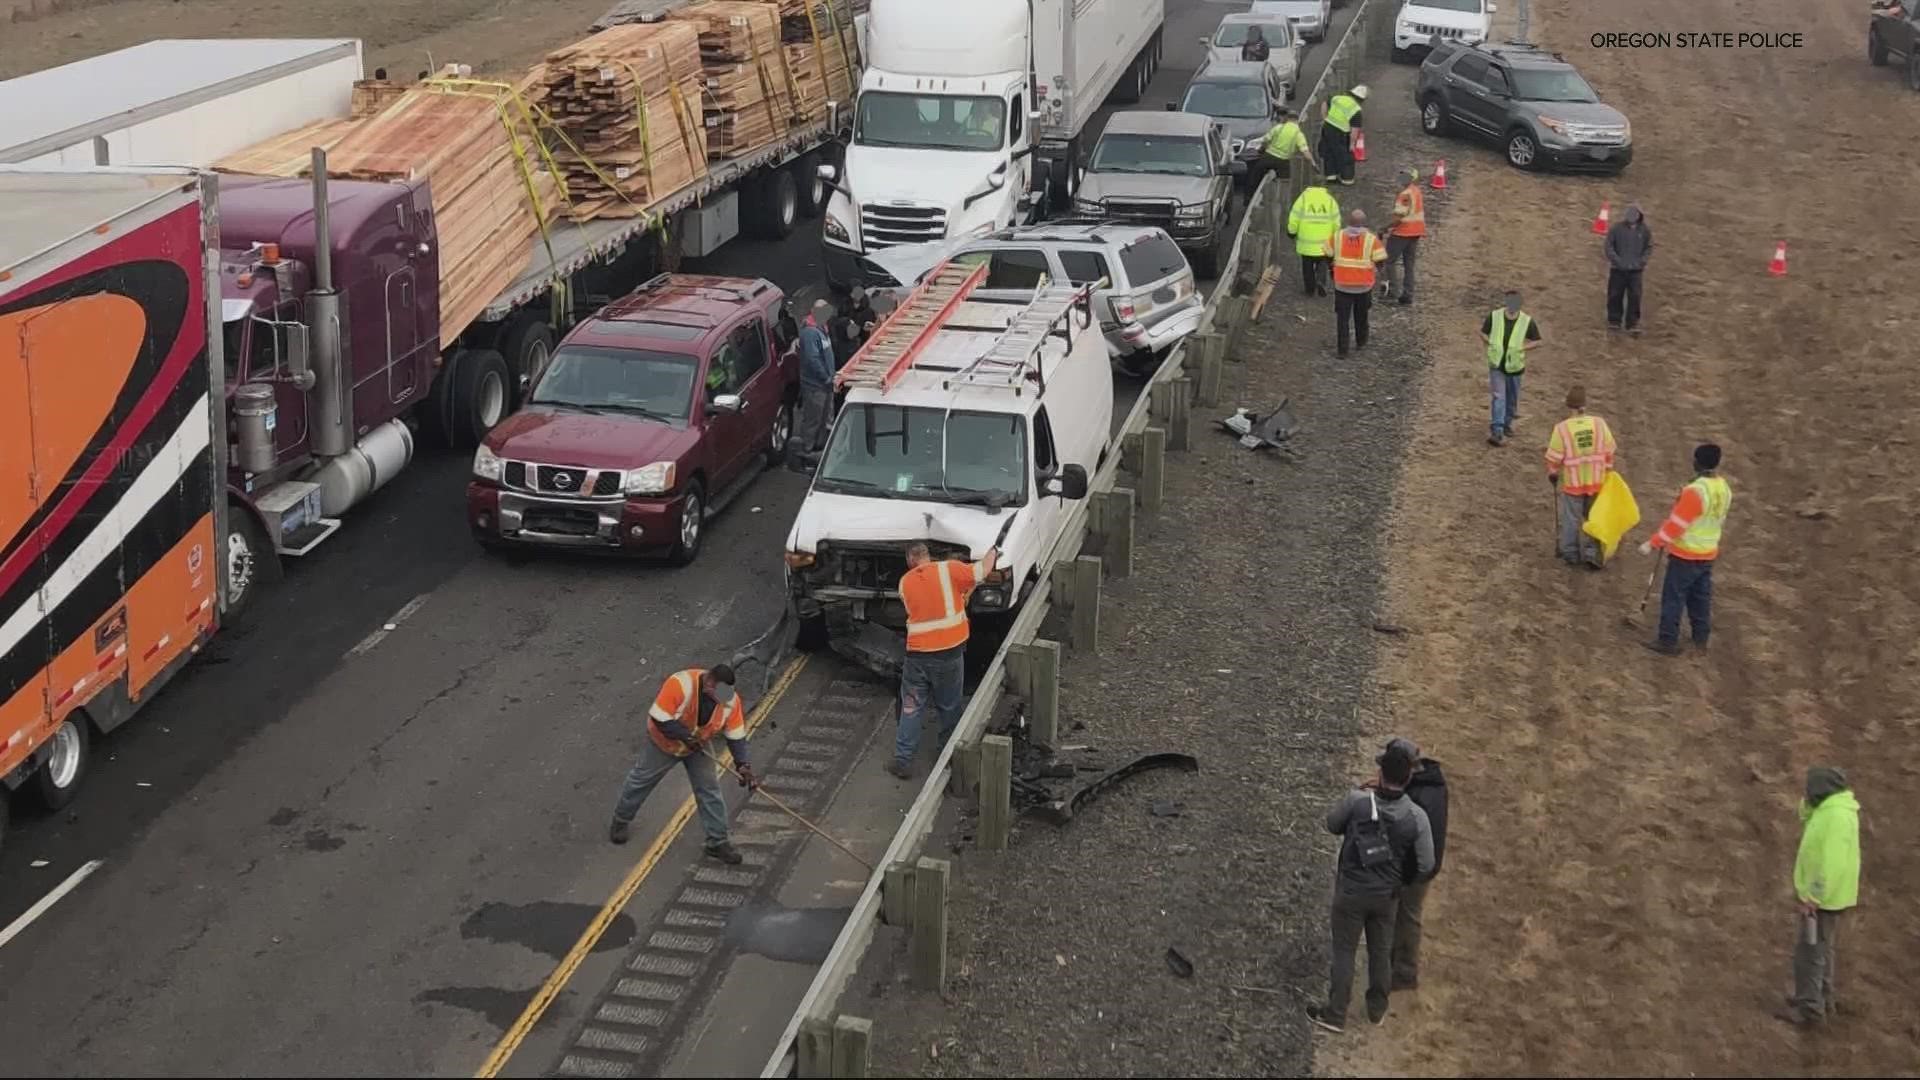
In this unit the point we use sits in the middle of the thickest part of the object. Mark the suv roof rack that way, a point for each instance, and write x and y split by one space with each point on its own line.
1520 48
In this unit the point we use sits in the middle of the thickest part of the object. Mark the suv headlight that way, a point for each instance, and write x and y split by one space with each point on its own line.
1558 127
1087 206
836 231
487 465
1626 130
655 479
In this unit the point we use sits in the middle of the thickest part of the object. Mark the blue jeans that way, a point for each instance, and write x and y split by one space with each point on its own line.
1689 585
655 763
1504 390
929 679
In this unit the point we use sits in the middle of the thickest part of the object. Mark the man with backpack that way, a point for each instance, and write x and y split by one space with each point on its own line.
1428 791
1384 836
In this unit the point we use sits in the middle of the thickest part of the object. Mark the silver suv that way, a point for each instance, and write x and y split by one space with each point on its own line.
1150 303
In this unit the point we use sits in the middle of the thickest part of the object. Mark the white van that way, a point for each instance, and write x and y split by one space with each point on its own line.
1468 22
974 432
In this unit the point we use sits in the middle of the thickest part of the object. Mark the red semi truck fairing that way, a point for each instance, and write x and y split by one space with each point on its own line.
110 489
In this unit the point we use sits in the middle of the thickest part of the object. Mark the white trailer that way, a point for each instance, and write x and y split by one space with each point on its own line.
175 101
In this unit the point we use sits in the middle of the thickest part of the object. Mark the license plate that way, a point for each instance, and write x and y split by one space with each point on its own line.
1600 155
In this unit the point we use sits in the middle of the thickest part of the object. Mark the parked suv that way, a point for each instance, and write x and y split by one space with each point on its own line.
1149 303
648 418
1244 97
1531 103
1171 170
1889 37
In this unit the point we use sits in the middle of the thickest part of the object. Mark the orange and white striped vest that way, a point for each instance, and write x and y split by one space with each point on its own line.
935 594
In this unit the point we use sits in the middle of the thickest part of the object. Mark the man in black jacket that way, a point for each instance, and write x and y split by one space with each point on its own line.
1428 790
1384 837
1629 246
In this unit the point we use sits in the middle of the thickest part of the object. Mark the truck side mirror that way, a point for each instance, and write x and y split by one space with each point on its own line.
297 351
829 173
1070 483
833 116
726 403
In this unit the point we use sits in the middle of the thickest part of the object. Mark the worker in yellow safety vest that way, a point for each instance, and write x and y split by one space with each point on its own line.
1283 144
1509 332
1404 233
1690 537
935 595
692 707
1579 457
1336 132
1314 219
1355 251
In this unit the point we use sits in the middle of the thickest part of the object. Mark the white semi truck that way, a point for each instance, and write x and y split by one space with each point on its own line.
971 116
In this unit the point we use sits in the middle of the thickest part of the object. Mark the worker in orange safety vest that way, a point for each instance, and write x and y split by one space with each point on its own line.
935 595
1690 537
1403 235
692 707
1579 457
1356 252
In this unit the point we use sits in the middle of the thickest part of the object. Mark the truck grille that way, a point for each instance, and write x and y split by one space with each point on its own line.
561 479
560 520
1141 212
1447 33
885 226
881 567
1595 135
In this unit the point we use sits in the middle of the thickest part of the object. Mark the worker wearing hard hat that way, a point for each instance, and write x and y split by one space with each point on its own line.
1336 132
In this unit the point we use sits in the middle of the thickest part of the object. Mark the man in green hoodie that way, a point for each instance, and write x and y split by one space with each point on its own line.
1826 882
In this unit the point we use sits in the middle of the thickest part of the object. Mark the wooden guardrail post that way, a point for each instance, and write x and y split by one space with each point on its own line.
1113 524
996 792
852 1043
1180 423
896 895
966 768
1153 469
930 923
1160 400
814 1048
1037 680
1213 359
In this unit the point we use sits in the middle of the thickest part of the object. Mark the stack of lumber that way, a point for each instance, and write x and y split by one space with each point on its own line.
457 139
823 55
372 96
750 91
628 101
288 155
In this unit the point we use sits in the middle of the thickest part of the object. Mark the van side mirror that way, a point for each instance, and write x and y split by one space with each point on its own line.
1069 483
1493 9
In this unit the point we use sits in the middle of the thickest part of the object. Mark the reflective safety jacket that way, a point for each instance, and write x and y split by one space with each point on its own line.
1341 111
679 702
1692 529
1410 212
1314 219
1580 452
1285 141
1507 352
935 595
1355 253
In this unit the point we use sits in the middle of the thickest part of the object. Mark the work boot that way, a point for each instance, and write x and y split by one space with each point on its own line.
724 852
1664 648
1376 1018
1405 982
1318 1014
1611 325
1795 1015
1405 301
617 831
1496 440
899 771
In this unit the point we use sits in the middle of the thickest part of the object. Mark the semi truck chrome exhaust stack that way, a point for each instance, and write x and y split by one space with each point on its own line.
332 432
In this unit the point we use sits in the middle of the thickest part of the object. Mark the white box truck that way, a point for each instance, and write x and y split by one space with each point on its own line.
175 102
970 116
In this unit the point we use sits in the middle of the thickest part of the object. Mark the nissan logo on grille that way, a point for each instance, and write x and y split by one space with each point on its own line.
564 480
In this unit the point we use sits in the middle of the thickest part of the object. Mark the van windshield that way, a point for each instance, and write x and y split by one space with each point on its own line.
930 121
641 382
1169 154
894 452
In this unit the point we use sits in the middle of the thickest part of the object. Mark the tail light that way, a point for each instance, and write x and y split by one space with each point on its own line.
1123 309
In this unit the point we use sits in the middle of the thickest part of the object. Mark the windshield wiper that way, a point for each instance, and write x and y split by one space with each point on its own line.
636 410
565 404
864 487
992 500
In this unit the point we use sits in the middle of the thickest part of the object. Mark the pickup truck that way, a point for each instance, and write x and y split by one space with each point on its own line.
1171 170
1894 31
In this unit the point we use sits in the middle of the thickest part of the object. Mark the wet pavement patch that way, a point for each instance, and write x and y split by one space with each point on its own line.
545 926
794 935
283 816
322 840
500 1007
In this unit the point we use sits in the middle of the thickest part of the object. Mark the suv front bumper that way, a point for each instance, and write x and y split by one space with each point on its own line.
633 525
1575 157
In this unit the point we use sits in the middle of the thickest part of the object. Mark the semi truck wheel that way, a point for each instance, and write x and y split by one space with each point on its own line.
68 756
779 205
477 395
1127 90
526 345
252 563
813 190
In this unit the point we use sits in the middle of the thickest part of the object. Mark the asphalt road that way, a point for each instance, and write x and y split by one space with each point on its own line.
331 848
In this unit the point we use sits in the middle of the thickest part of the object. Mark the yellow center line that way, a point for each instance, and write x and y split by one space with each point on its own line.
637 876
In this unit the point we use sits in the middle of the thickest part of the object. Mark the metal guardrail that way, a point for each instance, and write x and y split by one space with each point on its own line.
1261 216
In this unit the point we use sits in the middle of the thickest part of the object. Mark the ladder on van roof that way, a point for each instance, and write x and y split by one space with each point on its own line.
1010 360
901 335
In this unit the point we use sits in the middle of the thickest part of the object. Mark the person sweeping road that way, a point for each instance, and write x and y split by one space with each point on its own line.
692 707
1579 456
1690 537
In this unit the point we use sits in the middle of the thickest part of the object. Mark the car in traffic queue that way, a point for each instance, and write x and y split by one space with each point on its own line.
1283 47
648 419
1244 97
1172 170
1309 18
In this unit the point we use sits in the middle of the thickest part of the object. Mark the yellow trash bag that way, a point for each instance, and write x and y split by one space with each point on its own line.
1613 514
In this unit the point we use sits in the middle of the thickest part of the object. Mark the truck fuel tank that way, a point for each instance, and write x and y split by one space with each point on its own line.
254 413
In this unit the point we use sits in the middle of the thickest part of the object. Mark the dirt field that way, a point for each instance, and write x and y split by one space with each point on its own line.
1617 893
491 35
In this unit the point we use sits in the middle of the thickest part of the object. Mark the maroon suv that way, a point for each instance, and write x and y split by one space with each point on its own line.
650 417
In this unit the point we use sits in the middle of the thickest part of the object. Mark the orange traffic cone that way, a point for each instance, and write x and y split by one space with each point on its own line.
1778 266
1601 219
1359 146
1439 182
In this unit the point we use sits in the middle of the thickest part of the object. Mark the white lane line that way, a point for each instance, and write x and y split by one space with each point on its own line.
375 638
46 902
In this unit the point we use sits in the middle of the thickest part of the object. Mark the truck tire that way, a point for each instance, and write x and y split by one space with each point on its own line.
693 525
477 395
1127 90
1876 49
526 345
68 754
813 190
252 562
779 209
